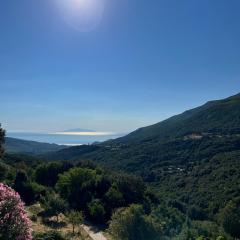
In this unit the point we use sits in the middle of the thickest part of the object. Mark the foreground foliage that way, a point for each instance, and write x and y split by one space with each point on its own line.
75 219
131 224
190 188
14 222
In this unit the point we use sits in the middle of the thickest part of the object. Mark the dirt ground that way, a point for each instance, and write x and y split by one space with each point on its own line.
84 232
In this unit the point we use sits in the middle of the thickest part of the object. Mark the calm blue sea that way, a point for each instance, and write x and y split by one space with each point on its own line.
62 139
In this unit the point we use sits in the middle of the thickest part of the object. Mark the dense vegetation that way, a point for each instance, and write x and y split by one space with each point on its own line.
13 145
191 159
221 116
80 191
179 179
102 197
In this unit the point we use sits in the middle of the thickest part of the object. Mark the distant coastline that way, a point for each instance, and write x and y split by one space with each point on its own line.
66 138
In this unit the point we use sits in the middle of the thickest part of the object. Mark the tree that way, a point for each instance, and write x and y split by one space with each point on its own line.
196 213
14 222
96 211
2 137
75 219
47 174
20 179
3 171
20 184
231 218
114 197
77 186
131 224
29 191
54 205
131 187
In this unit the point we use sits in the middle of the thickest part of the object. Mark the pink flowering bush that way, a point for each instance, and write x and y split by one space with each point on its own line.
14 222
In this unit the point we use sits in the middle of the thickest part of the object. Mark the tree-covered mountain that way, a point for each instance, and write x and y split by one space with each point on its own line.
13 145
190 161
191 136
192 158
190 152
221 116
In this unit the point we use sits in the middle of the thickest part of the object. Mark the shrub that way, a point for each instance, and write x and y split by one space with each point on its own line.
52 235
14 222
231 218
221 238
75 219
131 224
3 171
54 205
131 187
114 197
30 192
47 174
77 186
96 211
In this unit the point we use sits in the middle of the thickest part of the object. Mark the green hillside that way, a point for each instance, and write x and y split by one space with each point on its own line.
221 116
192 158
194 135
189 163
13 145
172 150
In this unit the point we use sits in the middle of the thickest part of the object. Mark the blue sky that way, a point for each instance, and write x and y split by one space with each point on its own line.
146 61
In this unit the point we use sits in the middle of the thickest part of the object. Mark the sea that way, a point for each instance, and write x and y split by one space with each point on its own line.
63 139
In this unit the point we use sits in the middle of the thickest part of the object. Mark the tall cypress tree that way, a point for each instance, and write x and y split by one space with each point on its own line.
2 137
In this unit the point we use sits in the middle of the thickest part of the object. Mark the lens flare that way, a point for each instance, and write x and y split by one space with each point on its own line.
83 15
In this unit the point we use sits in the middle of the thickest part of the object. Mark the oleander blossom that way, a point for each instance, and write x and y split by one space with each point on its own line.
14 222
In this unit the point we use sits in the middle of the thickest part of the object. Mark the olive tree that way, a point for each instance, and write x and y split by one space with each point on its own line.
75 219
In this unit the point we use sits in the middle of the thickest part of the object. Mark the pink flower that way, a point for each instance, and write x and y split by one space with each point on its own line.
14 222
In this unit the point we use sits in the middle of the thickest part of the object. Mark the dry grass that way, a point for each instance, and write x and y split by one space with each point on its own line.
61 226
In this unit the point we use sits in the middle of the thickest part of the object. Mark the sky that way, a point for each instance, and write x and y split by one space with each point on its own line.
145 61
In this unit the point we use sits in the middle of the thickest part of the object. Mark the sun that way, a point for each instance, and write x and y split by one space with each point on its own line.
83 15
80 3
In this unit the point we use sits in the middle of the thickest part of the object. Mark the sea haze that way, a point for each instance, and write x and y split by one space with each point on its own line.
64 139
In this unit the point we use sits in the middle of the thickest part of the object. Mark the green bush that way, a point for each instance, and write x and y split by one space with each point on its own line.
54 205
221 238
52 235
96 211
114 197
75 219
3 171
231 218
131 224
77 186
47 174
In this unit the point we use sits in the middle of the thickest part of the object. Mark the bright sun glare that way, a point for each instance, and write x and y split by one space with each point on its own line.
80 3
83 15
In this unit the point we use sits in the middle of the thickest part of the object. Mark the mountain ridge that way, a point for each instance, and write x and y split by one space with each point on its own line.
160 128
15 145
169 140
192 159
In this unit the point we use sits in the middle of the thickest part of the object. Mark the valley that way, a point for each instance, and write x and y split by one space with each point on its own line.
182 175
